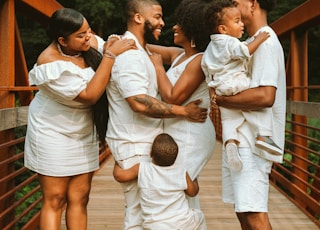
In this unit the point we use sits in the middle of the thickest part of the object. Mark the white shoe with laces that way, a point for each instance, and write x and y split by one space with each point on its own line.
233 157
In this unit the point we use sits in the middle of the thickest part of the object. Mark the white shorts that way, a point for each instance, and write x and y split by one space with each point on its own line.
248 189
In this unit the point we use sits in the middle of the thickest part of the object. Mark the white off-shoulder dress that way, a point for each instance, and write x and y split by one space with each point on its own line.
61 138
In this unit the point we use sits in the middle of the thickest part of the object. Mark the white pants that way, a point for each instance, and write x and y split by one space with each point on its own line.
133 215
260 122
230 84
194 202
198 222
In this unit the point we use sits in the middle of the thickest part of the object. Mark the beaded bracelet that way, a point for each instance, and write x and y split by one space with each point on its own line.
109 54
114 36
214 101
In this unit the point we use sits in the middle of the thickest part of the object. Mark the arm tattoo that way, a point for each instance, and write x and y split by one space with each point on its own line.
155 108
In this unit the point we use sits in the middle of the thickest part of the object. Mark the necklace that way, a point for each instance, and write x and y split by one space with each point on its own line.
66 55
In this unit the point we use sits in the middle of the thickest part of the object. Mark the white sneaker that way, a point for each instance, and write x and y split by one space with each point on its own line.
233 158
267 144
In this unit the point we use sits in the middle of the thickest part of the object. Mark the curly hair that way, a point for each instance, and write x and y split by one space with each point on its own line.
189 16
214 14
164 150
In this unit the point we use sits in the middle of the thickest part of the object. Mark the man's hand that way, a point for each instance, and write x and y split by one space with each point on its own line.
196 113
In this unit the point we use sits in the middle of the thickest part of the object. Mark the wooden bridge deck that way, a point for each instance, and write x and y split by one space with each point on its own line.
105 210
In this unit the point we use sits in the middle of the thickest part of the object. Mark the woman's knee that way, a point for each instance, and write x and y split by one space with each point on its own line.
55 201
54 191
79 192
83 197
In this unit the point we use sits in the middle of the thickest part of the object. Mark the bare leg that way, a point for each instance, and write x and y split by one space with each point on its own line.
254 221
78 198
54 190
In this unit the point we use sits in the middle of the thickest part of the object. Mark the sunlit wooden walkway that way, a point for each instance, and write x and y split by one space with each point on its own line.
105 209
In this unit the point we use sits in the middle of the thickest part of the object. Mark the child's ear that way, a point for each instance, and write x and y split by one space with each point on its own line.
222 29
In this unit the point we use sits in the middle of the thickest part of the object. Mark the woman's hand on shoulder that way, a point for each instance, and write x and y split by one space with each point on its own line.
117 47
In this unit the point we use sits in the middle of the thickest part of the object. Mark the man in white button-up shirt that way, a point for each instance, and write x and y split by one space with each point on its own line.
135 107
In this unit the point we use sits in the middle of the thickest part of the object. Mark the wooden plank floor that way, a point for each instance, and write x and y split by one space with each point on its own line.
105 210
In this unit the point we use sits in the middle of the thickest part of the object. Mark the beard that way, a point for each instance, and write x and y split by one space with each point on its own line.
148 32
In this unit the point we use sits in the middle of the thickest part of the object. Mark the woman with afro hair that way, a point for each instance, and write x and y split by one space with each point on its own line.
184 82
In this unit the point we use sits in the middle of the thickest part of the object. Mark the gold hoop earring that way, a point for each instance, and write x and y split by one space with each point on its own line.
193 44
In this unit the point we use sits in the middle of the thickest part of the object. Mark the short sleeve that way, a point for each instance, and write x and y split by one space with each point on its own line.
238 49
265 63
132 77
61 78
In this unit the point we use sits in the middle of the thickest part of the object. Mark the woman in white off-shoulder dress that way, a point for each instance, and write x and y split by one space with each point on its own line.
184 82
61 142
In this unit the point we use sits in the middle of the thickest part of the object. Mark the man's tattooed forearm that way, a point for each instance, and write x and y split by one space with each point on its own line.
154 107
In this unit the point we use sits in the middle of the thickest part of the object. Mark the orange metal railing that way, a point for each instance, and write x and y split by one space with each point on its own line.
297 177
20 195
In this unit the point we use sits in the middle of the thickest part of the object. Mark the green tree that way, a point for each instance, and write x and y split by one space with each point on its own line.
283 7
107 17
104 16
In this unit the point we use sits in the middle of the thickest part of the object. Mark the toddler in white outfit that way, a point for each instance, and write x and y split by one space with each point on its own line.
224 64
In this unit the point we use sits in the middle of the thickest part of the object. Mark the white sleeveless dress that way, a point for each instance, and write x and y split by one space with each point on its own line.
195 140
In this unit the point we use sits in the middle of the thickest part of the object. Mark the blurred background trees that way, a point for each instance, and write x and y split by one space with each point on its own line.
106 17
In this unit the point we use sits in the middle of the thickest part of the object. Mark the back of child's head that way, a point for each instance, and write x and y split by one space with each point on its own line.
215 13
164 150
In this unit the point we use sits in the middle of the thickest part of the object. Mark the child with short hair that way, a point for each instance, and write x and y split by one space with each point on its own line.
163 187
224 64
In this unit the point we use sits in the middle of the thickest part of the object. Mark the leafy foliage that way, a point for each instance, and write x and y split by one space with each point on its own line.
106 17
283 7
